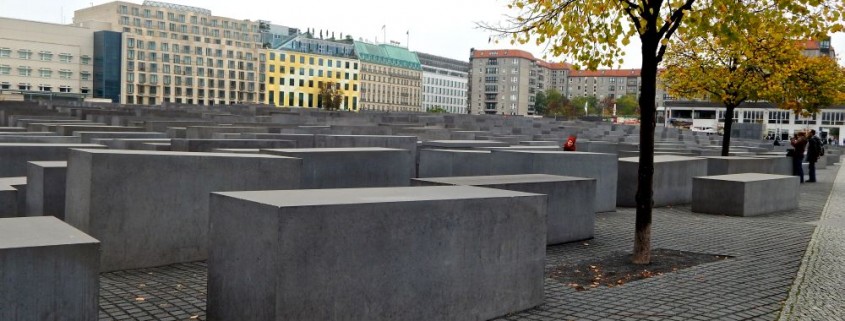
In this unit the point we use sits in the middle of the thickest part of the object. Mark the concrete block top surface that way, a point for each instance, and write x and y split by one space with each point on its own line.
503 179
375 136
38 231
331 150
466 143
471 151
169 153
340 196
51 145
551 152
662 159
729 157
50 163
746 177
12 181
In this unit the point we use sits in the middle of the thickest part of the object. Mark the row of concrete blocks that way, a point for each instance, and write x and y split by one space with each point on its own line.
398 246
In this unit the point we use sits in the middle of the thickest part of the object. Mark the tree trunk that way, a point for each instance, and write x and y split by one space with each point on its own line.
726 137
645 174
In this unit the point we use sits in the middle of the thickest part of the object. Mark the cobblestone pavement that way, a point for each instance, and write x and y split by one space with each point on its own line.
754 285
818 292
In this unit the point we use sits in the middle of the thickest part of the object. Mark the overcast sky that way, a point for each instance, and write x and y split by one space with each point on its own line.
440 27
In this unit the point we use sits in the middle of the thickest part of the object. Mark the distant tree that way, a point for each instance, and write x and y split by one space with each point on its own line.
555 102
591 102
331 96
815 82
606 105
627 105
437 109
540 103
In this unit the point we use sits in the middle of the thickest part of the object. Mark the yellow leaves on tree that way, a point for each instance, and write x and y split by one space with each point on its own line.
812 83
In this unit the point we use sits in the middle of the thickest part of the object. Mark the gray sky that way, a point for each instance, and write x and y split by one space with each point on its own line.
440 27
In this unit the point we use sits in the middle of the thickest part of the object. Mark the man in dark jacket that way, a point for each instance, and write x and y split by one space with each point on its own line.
814 148
799 142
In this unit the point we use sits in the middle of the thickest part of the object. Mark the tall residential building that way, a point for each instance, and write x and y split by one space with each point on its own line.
46 60
391 77
299 67
444 83
176 53
506 81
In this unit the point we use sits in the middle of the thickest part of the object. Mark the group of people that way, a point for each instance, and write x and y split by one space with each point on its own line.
812 145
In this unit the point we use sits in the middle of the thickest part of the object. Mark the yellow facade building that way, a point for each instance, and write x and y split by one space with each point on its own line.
296 70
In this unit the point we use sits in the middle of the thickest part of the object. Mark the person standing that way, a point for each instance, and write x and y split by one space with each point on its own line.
814 147
799 142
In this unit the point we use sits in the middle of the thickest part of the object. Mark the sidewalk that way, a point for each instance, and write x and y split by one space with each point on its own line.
767 252
819 289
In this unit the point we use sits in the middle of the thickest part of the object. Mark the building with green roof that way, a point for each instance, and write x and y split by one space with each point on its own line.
391 78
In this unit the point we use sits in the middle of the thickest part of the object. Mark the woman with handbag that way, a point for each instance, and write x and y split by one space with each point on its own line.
799 142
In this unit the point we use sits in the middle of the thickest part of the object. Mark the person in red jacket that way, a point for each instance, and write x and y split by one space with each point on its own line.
569 146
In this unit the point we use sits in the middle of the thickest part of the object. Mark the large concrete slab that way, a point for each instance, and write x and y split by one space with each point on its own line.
745 194
208 145
13 202
70 130
45 189
453 162
48 271
207 132
724 165
375 254
571 200
351 167
53 139
14 156
462 144
88 137
672 179
602 167
150 208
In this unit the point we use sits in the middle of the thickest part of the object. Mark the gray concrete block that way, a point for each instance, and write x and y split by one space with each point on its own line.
375 254
571 200
745 194
723 165
351 167
45 189
206 132
453 162
302 140
14 202
207 145
87 137
40 139
14 156
602 167
48 271
151 208
70 130
462 144
672 179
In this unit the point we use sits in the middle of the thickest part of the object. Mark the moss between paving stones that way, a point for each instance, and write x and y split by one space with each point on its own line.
616 269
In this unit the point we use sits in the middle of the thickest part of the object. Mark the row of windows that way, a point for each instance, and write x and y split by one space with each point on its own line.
287 99
186 49
444 91
314 62
197 39
183 28
310 83
450 109
179 91
26 71
44 88
318 73
26 54
444 100
445 83
148 13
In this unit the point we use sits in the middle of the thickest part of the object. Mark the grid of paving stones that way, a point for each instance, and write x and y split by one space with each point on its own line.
767 250
818 292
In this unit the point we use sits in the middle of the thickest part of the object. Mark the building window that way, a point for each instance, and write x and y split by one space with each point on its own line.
64 89
24 54
24 71
45 88
65 57
5 70
65 74
5 52
45 56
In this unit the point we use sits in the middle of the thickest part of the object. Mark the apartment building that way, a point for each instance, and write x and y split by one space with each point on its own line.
444 83
46 60
613 83
391 78
175 53
506 81
298 68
